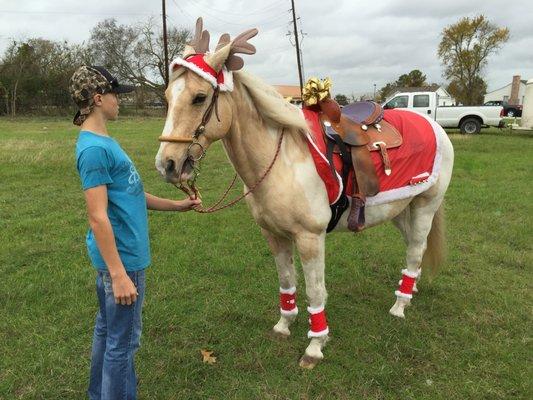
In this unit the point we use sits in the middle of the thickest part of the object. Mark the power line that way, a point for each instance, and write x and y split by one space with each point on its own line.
203 10
75 13
256 12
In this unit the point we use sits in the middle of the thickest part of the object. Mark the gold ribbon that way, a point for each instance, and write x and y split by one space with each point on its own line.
316 90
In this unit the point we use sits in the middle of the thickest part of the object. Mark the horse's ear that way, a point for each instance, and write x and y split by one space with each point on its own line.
218 58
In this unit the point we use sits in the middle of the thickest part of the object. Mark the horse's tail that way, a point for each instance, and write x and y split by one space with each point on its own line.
435 253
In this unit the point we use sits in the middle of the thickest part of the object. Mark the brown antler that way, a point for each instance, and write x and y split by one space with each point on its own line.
239 45
224 40
199 42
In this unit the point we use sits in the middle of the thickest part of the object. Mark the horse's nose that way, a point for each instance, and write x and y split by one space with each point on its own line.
169 167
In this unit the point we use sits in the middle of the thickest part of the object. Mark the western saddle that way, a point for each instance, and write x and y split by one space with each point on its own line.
353 132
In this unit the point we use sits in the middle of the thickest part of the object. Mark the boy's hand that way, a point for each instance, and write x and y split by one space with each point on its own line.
187 204
124 290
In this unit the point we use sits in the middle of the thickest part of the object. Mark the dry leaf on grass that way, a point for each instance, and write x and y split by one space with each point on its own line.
207 358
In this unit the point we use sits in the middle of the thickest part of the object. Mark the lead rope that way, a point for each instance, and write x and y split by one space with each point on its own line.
215 207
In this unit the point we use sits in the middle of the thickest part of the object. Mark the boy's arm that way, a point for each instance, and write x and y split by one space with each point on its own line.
124 290
160 204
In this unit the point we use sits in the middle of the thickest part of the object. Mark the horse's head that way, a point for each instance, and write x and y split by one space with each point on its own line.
199 110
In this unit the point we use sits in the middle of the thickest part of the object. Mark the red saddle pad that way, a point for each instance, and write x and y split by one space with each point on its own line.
413 163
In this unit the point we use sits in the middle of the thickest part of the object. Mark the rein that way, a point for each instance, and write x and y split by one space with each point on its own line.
214 207
194 142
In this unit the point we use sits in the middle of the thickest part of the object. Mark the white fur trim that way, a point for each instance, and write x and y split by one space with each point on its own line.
422 175
410 274
339 179
316 310
403 295
194 68
227 86
412 190
289 313
311 334
291 290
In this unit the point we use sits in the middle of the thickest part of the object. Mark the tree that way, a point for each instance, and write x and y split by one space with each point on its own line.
135 54
477 91
464 50
341 99
415 78
35 75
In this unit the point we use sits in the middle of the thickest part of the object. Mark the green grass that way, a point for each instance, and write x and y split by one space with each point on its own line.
213 285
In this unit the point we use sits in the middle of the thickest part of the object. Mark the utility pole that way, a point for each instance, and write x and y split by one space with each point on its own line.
300 75
165 44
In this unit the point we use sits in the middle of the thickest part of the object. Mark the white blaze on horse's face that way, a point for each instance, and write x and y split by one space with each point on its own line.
188 97
175 88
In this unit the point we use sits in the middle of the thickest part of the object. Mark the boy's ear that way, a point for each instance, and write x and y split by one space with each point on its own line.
97 99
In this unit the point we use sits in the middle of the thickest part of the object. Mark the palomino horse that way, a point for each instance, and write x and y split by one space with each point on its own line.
209 102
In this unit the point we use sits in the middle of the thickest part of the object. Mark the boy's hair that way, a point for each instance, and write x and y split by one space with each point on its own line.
88 81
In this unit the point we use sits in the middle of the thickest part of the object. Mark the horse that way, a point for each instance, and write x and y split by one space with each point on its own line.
261 131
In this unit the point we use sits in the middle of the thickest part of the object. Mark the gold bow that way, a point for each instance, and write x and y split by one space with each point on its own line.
316 90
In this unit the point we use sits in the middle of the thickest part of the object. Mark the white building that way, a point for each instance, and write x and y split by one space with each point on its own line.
506 93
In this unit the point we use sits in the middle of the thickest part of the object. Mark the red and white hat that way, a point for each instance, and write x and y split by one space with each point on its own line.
196 63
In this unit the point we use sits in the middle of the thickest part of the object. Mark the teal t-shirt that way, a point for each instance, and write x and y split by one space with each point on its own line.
101 161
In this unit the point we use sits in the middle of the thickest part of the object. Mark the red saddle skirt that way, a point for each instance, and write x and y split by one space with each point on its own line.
415 164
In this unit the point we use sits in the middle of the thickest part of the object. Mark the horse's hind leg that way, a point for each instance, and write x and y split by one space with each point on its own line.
402 222
415 229
282 249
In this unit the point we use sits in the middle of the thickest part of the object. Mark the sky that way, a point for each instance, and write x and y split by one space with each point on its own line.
357 43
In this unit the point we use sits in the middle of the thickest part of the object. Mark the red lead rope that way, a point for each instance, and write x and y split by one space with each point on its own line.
215 207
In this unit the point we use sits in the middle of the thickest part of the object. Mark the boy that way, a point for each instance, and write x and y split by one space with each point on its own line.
117 240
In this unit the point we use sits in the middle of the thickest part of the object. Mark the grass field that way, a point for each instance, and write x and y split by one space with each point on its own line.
213 285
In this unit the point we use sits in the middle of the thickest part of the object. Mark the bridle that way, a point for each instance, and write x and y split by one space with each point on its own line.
194 141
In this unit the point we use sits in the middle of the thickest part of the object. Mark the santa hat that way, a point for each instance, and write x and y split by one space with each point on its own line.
196 63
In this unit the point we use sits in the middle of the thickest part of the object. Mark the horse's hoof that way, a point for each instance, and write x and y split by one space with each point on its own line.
397 311
308 362
279 335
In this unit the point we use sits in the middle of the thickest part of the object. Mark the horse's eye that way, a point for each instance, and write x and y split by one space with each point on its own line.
199 99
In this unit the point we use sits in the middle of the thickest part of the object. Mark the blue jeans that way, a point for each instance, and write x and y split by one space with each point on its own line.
116 338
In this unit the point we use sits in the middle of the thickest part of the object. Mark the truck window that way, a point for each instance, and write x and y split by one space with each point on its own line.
421 100
398 102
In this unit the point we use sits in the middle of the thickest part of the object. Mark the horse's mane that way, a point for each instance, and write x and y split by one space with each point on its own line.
270 104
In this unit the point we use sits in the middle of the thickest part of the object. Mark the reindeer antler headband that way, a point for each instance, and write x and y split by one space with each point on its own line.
217 67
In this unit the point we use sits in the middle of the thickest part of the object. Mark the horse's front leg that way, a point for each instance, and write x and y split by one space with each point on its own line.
311 249
282 249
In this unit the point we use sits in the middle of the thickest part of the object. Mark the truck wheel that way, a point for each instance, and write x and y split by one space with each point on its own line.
511 113
470 125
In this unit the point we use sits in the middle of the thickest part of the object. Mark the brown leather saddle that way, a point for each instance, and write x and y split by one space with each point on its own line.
358 129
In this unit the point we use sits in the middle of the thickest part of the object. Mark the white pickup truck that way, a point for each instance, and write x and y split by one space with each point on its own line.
468 119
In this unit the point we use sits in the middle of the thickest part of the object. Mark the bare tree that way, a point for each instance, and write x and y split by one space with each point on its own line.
134 53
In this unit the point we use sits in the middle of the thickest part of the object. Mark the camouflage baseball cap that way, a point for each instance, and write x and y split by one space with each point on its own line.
88 81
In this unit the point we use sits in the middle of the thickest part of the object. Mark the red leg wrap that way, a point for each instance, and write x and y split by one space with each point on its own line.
407 285
287 302
318 322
